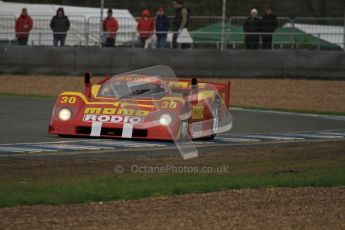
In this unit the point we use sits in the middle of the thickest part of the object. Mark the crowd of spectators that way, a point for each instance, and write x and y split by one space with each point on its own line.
258 31
147 26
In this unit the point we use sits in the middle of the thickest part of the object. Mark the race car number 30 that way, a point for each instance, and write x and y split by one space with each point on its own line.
68 100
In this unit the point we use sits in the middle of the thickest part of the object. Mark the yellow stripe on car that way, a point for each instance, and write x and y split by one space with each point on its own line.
95 89
82 96
206 94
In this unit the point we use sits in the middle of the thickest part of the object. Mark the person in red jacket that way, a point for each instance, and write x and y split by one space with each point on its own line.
23 27
146 26
110 27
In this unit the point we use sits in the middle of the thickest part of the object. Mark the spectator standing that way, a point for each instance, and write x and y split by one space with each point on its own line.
181 21
162 27
23 27
145 27
110 27
253 24
269 25
60 25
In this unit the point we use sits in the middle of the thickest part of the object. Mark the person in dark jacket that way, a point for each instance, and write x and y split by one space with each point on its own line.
269 25
162 27
60 25
181 21
252 27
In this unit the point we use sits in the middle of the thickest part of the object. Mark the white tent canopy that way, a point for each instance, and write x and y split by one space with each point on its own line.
85 23
329 33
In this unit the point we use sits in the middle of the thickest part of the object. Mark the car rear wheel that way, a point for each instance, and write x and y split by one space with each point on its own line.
184 127
215 114
215 117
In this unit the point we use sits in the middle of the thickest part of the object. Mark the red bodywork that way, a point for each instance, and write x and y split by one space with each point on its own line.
141 115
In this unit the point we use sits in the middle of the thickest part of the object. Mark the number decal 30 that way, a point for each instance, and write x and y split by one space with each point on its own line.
68 100
169 105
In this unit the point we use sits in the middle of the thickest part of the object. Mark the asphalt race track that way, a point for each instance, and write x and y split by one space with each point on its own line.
24 125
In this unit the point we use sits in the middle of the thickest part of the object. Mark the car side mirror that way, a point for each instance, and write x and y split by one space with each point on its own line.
87 78
194 83
195 92
88 84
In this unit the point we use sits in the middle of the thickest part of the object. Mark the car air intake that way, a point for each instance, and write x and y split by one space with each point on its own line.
115 132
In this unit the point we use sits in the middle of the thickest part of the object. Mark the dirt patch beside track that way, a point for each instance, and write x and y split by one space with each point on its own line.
286 208
304 95
310 208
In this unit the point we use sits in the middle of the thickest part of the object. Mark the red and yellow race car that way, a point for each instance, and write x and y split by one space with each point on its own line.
141 105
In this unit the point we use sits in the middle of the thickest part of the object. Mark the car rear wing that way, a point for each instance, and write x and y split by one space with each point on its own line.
224 89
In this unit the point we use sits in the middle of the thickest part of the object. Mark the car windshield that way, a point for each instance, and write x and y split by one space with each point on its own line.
130 87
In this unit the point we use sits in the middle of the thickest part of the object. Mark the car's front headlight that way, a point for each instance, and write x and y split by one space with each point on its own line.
165 119
65 114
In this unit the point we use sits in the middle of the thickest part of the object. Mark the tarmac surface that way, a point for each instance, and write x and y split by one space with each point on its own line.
26 120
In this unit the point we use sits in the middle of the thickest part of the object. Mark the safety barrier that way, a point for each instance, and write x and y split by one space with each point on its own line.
199 62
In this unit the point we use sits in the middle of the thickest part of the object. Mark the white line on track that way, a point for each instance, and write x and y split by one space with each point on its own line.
110 144
333 117
124 143
49 142
332 133
20 150
235 139
74 147
319 136
275 137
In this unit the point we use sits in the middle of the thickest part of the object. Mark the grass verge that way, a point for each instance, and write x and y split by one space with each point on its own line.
135 186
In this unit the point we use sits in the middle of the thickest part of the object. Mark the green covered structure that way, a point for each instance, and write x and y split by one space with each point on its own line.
284 37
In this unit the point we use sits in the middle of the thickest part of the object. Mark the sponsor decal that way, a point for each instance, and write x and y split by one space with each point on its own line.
177 84
198 112
137 78
116 111
113 119
184 84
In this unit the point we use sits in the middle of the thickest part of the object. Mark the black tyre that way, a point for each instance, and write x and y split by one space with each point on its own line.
215 114
184 128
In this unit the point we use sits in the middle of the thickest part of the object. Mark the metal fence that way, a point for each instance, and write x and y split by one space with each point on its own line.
310 33
41 32
126 33
197 22
7 25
